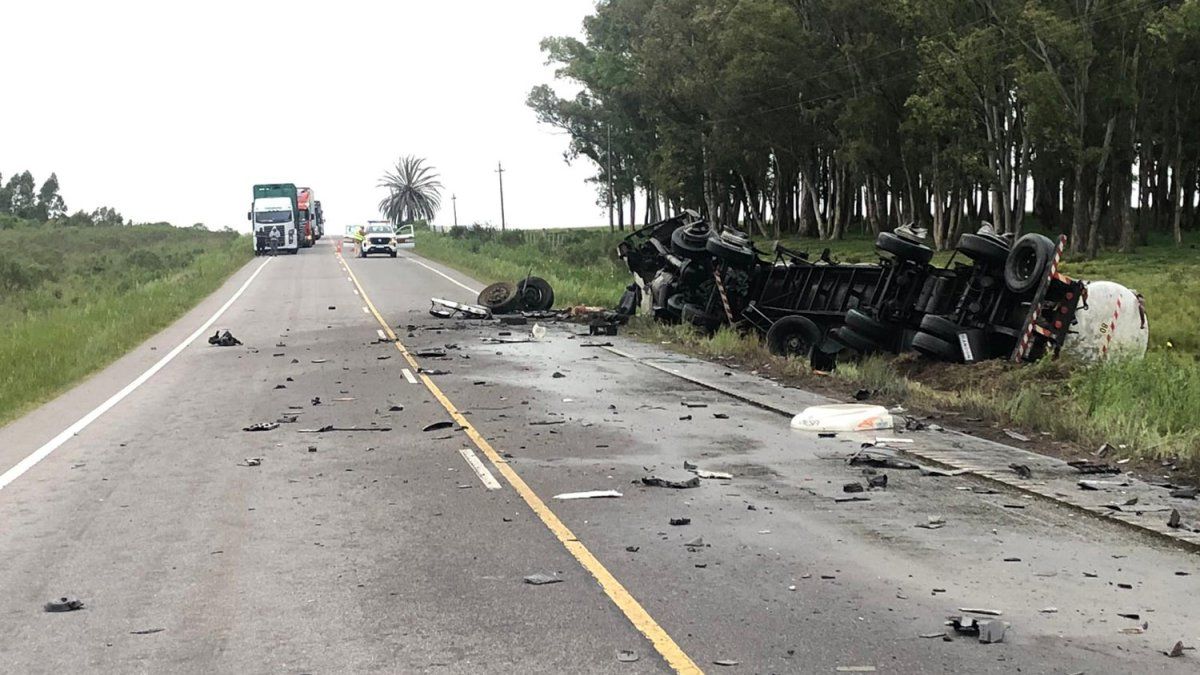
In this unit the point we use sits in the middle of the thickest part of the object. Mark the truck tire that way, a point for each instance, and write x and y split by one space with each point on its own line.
903 249
536 294
731 253
793 336
855 340
674 305
695 315
1028 262
689 243
991 250
940 327
867 326
500 297
935 347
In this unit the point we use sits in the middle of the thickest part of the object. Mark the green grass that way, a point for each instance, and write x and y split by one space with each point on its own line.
72 300
1149 405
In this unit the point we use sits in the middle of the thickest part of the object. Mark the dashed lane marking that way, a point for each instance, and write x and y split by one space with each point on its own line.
485 476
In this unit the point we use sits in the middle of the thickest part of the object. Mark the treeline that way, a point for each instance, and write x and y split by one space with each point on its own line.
818 116
23 203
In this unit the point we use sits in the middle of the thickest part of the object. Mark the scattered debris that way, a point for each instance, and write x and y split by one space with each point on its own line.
681 521
626 656
438 426
696 543
853 487
593 494
316 400
725 662
992 632
64 604
1087 466
312 448
934 523
320 360
655 481
329 427
147 631
856 498
262 426
1185 493
541 579
252 461
1176 651
1049 610
693 404
930 636
1173 521
557 375
633 549
225 339
880 458
878 482
985 612
1017 436
843 417
432 371
395 408
1022 471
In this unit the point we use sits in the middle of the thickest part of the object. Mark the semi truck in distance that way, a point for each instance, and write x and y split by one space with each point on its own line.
275 216
308 210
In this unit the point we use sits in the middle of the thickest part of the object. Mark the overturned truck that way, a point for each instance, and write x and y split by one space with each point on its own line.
994 298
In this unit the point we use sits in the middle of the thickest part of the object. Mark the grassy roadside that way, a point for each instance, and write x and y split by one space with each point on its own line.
1149 406
75 299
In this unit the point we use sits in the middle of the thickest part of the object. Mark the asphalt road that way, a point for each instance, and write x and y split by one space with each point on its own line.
385 551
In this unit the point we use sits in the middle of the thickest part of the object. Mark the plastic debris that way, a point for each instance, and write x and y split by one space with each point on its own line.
262 426
843 417
681 521
225 339
992 632
63 604
541 579
627 656
1017 436
252 461
655 481
437 426
593 494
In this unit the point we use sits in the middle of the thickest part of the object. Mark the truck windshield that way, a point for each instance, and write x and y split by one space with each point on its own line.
272 216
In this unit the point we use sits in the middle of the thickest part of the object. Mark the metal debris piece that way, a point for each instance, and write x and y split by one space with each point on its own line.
1049 610
1087 466
725 662
262 426
878 482
655 481
992 632
626 656
557 375
225 339
713 475
63 604
693 404
964 625
933 523
541 579
316 400
1016 435
929 636
1022 471
432 353
252 461
147 631
545 423
681 521
879 458
593 494
698 542
395 408
855 498
427 371
1176 651
438 426
852 487
985 612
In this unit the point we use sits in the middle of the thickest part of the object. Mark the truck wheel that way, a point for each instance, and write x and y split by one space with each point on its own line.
983 249
393 254
689 242
855 340
866 325
793 336
1028 263
500 297
940 327
536 294
903 248
732 253
935 347
695 315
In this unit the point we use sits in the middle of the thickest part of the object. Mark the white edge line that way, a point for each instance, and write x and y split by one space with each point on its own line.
444 276
53 444
489 481
408 375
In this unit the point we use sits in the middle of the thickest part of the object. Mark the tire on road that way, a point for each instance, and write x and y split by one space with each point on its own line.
903 248
935 347
500 297
982 249
1028 262
793 336
536 294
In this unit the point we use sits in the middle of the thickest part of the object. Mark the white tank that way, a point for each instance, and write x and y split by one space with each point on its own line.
1113 324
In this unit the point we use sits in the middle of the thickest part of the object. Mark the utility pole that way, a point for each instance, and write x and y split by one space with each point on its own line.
608 160
500 172
454 205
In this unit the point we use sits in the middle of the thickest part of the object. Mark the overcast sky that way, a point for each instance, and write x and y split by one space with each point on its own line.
171 111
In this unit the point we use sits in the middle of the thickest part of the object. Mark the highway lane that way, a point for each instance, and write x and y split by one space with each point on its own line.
385 552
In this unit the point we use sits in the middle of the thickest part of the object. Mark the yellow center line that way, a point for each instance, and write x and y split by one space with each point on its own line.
675 657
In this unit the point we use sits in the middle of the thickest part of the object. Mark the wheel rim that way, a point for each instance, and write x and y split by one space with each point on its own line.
1026 264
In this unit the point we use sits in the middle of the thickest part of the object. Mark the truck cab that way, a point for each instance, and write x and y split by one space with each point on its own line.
307 216
273 219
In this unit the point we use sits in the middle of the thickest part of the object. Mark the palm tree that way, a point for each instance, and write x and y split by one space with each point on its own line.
414 191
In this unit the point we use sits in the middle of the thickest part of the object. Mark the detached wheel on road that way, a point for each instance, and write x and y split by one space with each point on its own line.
855 340
688 242
536 294
869 327
1028 263
501 297
984 249
793 336
731 252
903 248
936 347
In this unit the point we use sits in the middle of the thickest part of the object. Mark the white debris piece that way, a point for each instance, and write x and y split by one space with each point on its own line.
843 417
